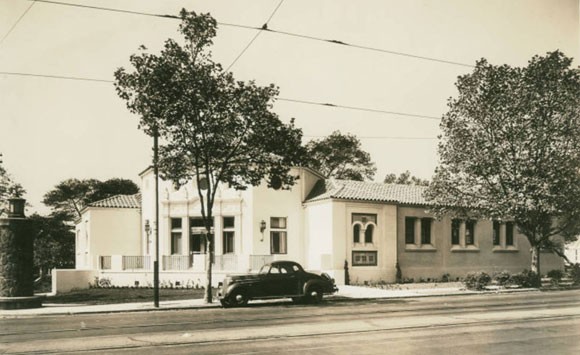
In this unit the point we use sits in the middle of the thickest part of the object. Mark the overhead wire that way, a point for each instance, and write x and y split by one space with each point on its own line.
359 108
258 33
286 33
331 105
263 28
17 22
378 137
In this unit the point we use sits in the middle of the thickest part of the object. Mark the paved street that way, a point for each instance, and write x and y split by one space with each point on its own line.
522 323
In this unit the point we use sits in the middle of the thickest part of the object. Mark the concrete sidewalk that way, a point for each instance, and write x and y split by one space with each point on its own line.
345 292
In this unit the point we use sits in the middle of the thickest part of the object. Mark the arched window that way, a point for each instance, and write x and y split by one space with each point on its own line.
369 233
356 233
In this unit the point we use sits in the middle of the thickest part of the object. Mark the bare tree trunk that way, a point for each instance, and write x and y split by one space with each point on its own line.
207 298
536 263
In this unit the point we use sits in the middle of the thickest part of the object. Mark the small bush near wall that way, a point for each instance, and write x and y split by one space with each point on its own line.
476 280
502 278
555 275
575 273
526 279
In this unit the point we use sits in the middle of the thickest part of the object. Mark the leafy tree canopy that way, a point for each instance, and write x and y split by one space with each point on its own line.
510 148
54 243
340 156
405 179
211 126
72 195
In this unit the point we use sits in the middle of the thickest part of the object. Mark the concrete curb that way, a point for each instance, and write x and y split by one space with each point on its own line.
140 307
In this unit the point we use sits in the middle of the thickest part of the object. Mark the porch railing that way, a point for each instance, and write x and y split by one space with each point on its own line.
105 262
177 262
257 261
225 262
139 262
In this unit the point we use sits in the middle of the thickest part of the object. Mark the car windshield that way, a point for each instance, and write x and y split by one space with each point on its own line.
264 269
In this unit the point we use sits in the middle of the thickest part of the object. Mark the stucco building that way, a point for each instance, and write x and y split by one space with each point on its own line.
324 224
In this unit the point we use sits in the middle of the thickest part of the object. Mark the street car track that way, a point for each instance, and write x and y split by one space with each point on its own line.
226 318
157 345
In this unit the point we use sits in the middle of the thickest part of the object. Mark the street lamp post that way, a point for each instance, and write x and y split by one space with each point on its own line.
156 262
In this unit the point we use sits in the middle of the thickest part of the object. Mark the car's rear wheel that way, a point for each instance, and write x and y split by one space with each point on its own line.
238 299
314 295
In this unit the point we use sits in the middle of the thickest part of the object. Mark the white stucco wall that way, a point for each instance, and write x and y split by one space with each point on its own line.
267 203
444 258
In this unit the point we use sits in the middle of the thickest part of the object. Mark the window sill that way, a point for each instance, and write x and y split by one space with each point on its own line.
465 249
364 265
420 248
510 249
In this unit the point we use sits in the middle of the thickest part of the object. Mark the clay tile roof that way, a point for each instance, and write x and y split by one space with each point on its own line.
119 201
367 191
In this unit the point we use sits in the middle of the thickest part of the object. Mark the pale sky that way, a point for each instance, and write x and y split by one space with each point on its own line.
52 129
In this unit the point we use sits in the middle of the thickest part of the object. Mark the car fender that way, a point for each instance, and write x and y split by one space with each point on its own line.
236 287
314 282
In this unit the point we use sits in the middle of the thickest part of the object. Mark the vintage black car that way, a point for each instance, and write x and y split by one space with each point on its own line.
279 279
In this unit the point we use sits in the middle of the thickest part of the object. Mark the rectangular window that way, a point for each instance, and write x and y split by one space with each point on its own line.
426 231
229 222
196 244
228 242
410 230
175 236
175 223
278 242
278 236
228 235
495 232
455 230
175 243
509 233
364 258
278 222
197 222
469 232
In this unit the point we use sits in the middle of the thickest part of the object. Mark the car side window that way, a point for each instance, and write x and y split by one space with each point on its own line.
295 268
274 270
283 270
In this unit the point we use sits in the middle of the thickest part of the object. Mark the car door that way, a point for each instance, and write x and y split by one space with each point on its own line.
291 281
273 282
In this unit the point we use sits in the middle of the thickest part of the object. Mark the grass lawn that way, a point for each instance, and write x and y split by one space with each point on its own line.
124 295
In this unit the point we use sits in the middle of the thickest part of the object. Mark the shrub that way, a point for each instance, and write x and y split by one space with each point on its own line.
555 275
575 273
476 280
446 277
502 278
526 278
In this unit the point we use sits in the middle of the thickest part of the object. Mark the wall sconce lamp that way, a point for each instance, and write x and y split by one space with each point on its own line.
262 229
147 227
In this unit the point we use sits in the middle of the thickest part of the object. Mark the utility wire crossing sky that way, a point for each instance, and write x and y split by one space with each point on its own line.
382 70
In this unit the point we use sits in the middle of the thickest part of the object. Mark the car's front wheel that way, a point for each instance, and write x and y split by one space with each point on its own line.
238 299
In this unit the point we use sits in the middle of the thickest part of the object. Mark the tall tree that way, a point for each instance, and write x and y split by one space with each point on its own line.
405 178
72 195
510 148
54 243
340 156
8 187
213 129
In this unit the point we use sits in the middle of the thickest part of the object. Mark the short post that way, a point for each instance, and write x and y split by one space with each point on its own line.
346 275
